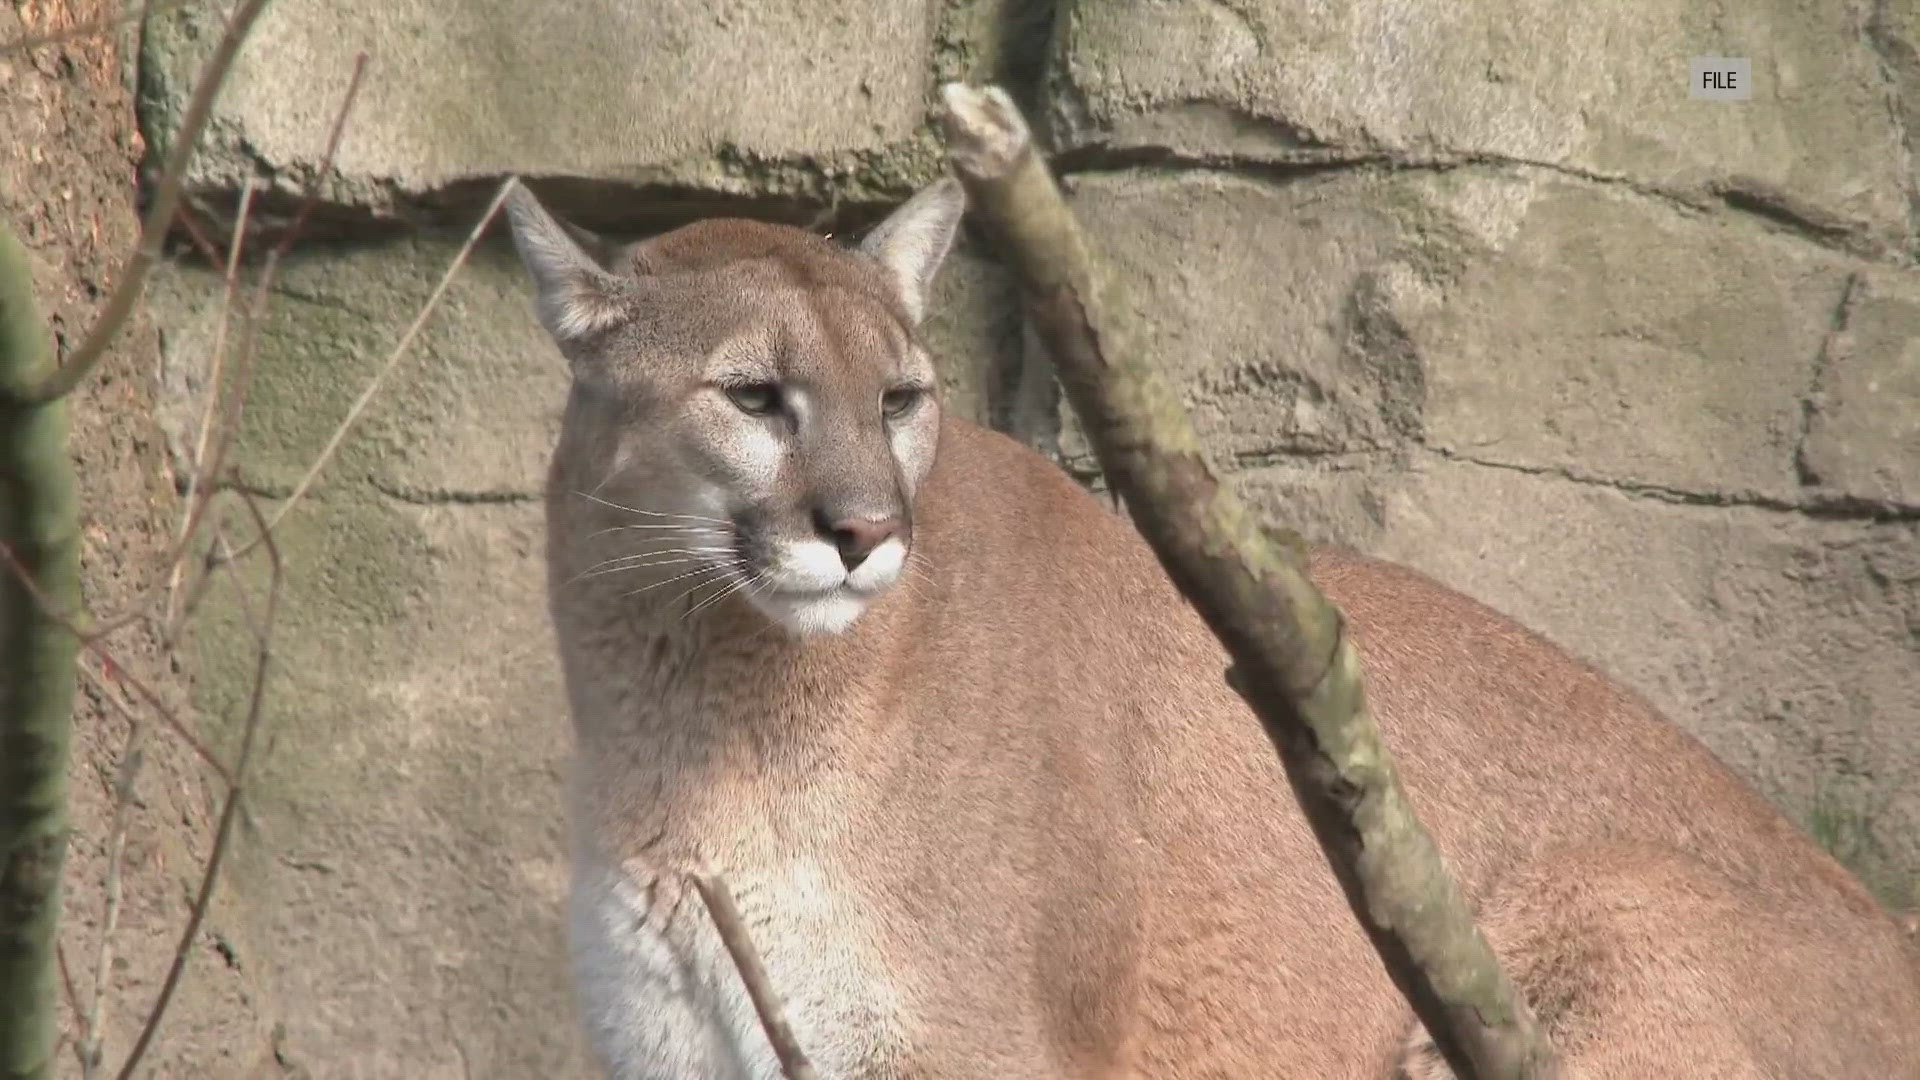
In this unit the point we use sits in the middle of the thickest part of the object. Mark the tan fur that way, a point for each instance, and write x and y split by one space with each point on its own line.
1011 822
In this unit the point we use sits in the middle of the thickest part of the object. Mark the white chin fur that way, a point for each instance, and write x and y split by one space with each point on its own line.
813 594
880 569
805 616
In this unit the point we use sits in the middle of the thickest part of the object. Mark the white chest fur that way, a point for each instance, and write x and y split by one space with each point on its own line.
661 998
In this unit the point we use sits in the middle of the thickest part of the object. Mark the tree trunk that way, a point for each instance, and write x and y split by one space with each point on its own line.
39 531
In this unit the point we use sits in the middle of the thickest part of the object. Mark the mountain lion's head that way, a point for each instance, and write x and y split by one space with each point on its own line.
751 406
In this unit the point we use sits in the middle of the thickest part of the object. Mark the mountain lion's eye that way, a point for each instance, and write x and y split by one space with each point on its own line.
757 399
900 400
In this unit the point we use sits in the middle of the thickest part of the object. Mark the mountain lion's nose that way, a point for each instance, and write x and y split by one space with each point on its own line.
857 537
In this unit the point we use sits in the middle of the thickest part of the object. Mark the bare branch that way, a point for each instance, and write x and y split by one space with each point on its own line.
152 698
199 494
311 196
92 643
73 1000
733 934
194 499
166 199
224 831
228 433
131 759
195 233
1292 660
205 465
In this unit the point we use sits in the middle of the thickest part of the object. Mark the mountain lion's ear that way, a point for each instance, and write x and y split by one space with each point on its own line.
914 240
577 296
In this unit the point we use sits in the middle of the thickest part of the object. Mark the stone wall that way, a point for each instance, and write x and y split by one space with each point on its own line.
1475 286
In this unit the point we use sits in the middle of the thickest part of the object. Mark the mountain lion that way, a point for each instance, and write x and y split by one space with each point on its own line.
969 763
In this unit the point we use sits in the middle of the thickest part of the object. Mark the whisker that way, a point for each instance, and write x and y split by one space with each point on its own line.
648 513
678 561
703 550
720 574
698 530
922 575
762 581
706 568
717 597
638 559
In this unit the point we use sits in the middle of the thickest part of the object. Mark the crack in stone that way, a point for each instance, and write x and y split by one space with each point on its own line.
437 496
297 294
1819 507
1900 66
1327 459
1749 196
1811 401
1096 159
414 494
269 492
1744 196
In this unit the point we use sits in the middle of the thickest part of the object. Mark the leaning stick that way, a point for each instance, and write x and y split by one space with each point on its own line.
794 1064
1292 660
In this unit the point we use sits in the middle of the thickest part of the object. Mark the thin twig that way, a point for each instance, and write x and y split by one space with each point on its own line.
73 998
226 432
130 761
311 196
224 831
216 364
152 698
202 585
92 644
195 233
229 433
166 199
199 494
393 359
733 934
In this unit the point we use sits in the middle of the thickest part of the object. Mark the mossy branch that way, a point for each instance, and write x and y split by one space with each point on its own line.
1292 661
40 602
40 542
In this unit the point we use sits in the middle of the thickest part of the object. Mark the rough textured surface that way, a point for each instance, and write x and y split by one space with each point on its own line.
67 159
470 412
1863 429
1817 147
973 332
1483 373
1474 286
1539 354
460 89
407 851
